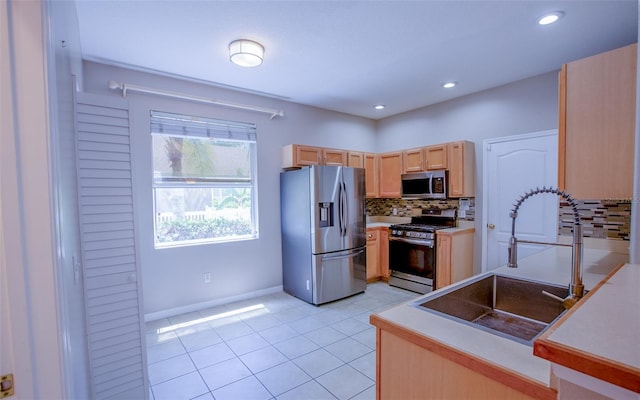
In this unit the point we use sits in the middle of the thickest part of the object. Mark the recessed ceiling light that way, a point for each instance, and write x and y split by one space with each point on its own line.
449 85
379 107
550 18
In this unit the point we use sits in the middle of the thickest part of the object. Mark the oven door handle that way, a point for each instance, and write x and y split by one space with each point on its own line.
428 243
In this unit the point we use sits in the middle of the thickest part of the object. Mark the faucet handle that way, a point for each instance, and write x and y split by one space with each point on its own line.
567 302
553 296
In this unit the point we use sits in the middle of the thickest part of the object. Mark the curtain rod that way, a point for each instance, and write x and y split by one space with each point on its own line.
134 88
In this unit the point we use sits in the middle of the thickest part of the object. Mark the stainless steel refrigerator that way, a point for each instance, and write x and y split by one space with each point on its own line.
323 232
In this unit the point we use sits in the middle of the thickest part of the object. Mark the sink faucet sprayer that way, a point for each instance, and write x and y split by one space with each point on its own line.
576 288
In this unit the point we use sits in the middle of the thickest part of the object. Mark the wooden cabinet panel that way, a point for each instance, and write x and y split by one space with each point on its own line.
597 125
383 171
436 156
355 159
377 254
295 156
443 257
383 248
454 256
425 158
371 174
461 169
390 169
405 370
413 160
373 255
334 157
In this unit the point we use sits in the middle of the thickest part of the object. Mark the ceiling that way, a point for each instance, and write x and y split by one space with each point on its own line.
348 56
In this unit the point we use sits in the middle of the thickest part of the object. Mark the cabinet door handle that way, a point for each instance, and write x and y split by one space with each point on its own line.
491 226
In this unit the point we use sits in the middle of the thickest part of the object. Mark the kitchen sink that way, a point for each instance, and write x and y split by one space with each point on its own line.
513 308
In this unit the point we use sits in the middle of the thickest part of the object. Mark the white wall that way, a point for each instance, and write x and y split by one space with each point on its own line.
530 105
173 277
634 252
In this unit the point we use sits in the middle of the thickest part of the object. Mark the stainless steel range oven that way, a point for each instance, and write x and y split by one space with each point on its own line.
412 250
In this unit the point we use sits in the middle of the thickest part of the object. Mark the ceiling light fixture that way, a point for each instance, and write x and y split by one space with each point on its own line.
449 85
379 107
550 18
246 53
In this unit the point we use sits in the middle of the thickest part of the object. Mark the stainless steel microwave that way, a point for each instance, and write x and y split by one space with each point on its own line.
425 185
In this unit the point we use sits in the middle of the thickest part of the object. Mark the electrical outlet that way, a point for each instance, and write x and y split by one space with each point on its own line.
394 211
207 277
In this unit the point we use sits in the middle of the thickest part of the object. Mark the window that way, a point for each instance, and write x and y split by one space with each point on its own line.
204 179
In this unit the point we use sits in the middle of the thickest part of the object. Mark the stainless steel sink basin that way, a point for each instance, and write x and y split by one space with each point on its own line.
510 307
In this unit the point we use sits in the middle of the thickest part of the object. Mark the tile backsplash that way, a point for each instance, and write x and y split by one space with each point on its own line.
403 207
601 219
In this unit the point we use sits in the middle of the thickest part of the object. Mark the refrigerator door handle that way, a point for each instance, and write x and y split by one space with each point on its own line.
341 206
352 254
345 212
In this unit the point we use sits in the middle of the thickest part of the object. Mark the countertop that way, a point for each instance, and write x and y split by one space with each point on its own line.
385 222
551 265
599 337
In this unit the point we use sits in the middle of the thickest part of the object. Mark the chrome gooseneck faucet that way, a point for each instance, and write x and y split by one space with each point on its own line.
576 288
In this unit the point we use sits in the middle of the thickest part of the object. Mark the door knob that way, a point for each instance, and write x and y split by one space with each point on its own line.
491 226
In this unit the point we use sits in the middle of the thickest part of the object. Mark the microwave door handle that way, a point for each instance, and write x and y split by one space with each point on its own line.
430 183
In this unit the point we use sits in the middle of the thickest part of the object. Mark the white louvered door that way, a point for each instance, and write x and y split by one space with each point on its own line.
113 294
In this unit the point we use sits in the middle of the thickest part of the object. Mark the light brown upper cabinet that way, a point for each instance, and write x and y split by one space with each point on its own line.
413 160
371 174
389 172
425 158
334 157
436 156
355 159
295 155
461 156
597 103
383 171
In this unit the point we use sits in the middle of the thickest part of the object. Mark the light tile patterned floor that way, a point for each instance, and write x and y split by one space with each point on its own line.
270 347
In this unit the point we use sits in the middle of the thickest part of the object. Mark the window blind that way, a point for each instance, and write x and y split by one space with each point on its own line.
181 125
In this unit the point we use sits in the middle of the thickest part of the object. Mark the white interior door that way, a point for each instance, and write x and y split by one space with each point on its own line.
513 166
113 291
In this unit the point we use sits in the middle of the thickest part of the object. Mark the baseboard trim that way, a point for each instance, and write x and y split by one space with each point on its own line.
172 312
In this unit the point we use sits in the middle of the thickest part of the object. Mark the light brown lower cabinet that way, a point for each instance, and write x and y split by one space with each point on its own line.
424 370
383 248
373 255
377 254
454 256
